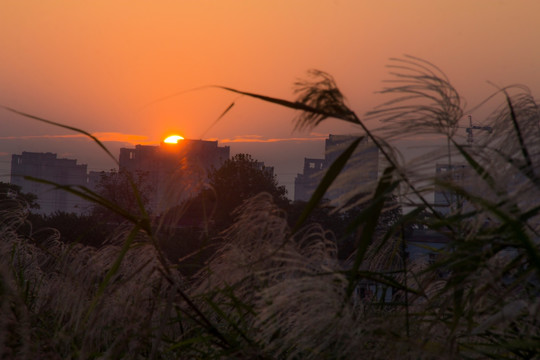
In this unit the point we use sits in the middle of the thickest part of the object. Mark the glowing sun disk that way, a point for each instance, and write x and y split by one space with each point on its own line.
173 139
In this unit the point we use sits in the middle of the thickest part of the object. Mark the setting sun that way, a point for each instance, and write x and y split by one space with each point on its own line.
173 139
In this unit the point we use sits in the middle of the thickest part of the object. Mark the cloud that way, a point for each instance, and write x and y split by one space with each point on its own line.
252 136
30 137
102 136
135 139
129 138
318 134
261 139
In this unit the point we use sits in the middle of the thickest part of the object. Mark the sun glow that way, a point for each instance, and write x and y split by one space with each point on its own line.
173 139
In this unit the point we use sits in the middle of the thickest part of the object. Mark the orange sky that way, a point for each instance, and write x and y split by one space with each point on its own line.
95 64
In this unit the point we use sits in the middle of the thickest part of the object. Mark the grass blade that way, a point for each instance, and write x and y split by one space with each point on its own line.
369 218
292 105
50 122
329 177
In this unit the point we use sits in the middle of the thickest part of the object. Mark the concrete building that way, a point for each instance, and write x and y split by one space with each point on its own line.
509 179
267 169
444 199
94 178
364 162
306 182
47 166
174 171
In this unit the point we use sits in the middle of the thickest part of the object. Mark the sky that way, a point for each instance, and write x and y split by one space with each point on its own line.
113 67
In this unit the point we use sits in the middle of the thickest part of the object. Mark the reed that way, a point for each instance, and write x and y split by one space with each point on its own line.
272 291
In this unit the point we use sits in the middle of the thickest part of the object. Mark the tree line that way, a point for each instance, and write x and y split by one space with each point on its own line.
189 239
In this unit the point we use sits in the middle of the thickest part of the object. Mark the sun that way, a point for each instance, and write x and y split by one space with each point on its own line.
173 139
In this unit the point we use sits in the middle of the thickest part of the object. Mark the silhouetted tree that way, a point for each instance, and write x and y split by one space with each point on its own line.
12 193
73 228
240 178
116 186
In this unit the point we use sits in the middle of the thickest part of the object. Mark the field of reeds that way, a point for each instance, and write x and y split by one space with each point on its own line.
272 291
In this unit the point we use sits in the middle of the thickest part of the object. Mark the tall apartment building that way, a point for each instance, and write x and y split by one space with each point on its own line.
306 182
365 161
464 177
459 174
174 171
48 166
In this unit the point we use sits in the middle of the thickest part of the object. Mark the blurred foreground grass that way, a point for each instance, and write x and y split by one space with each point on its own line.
272 291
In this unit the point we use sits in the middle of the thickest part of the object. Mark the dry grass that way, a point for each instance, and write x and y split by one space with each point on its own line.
274 292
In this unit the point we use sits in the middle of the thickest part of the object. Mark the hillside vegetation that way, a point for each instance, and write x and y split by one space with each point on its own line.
275 291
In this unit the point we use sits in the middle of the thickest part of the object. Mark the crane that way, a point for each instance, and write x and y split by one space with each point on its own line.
472 127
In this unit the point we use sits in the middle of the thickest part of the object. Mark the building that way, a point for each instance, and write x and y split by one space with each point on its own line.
174 171
47 166
94 179
445 199
458 175
306 183
364 163
269 170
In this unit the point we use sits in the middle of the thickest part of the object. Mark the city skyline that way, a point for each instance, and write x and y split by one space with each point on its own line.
114 71
124 153
421 240
117 152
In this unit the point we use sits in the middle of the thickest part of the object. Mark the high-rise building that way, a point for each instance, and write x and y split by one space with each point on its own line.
457 174
364 162
47 166
306 183
174 171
